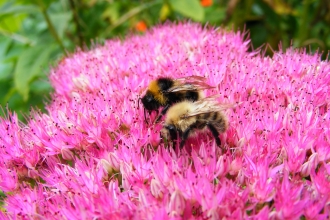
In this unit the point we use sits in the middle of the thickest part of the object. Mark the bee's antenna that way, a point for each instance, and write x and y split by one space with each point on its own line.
139 103
145 118
158 117
144 111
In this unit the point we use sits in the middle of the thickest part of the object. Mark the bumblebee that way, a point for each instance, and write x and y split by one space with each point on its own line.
186 117
164 92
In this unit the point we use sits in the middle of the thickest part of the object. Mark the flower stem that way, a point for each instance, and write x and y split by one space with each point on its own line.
130 14
304 22
76 20
50 25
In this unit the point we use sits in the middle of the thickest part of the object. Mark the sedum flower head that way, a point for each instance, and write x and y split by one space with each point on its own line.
92 156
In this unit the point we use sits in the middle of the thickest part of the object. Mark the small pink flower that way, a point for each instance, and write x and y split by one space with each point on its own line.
320 179
307 167
177 204
156 189
289 202
8 180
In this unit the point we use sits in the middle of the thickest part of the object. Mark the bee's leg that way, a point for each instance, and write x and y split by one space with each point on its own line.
161 113
145 117
215 134
173 134
174 138
184 136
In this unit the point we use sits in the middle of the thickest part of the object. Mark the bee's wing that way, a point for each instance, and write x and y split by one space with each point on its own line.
207 105
190 83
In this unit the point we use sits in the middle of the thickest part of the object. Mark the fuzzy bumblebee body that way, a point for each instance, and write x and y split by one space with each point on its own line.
164 92
187 117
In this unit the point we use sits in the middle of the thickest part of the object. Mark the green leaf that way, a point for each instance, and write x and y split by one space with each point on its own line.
11 23
6 66
5 87
4 45
131 13
14 51
41 86
112 12
215 15
61 22
5 70
9 8
12 15
189 8
29 65
164 12
18 9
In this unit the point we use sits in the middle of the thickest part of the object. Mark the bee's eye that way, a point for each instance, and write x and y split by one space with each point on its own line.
171 127
148 98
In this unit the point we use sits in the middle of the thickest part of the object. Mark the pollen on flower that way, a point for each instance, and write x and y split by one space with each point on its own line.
93 156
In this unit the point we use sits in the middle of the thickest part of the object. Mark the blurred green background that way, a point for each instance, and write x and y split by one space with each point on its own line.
36 34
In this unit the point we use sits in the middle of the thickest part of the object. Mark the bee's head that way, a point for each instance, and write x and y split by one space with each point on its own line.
149 102
169 131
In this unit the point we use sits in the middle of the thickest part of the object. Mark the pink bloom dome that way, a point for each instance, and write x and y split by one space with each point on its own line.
92 156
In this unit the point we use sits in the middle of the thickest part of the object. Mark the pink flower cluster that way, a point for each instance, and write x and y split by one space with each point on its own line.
92 156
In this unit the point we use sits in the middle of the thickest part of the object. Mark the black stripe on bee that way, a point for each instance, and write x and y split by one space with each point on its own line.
215 116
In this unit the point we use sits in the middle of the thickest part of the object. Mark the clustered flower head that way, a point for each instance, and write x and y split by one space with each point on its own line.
92 156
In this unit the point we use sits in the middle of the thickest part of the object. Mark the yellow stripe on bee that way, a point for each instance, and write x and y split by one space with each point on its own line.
154 89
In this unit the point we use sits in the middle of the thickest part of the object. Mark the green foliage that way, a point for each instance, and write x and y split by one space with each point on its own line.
35 34
190 8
